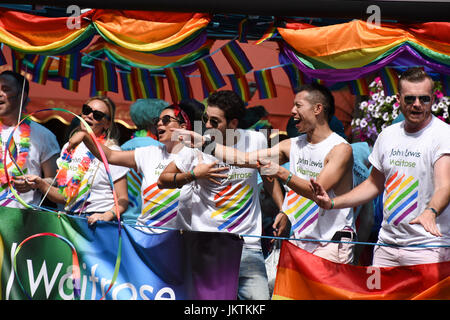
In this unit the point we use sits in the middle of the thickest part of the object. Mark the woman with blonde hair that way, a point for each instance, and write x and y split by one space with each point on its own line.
82 183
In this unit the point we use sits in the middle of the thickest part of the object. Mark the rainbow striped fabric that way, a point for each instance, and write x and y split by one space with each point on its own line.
359 87
70 66
105 76
265 84
211 76
295 76
301 211
41 67
389 79
179 85
160 205
69 84
400 196
240 86
236 58
233 205
270 33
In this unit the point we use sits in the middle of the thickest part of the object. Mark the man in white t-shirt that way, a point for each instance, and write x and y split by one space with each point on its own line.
411 166
233 204
41 154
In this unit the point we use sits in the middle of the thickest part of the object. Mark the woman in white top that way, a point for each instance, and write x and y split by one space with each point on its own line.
82 183
160 207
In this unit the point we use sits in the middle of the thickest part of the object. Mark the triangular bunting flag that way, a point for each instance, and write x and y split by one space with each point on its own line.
105 76
69 84
210 74
70 66
41 67
389 79
295 76
359 87
179 85
265 84
128 87
236 58
93 91
240 86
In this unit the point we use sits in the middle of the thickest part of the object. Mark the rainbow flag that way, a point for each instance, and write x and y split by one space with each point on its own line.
389 79
236 58
128 88
70 66
41 67
304 276
270 33
93 91
295 76
445 81
210 74
179 85
70 84
105 76
265 84
240 86
242 30
359 87
146 84
17 58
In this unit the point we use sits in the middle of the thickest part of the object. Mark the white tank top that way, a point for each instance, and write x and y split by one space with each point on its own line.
308 220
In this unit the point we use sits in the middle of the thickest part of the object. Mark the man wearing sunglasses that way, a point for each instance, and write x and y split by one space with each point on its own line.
233 204
411 167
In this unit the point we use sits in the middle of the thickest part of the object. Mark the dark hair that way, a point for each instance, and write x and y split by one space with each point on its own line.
193 109
229 102
414 74
19 80
320 94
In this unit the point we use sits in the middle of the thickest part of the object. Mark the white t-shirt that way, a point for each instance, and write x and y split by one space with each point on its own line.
233 206
308 220
160 207
95 193
407 162
43 146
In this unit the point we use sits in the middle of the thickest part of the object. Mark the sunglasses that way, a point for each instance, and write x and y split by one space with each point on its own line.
412 99
165 120
214 122
98 115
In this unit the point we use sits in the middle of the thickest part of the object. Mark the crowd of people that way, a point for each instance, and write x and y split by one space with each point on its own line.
194 167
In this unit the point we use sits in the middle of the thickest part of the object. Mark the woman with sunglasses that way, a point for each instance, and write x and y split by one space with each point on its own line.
82 183
161 208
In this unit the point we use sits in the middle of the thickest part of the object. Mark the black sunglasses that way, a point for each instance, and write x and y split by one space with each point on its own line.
214 122
412 99
98 115
165 120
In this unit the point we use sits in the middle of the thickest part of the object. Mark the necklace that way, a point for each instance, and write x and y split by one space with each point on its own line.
24 148
69 187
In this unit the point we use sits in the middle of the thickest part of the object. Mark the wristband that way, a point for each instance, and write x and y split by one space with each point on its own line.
288 178
332 204
175 180
193 174
432 210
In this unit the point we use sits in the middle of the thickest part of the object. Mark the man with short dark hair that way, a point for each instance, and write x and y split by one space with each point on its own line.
411 166
37 147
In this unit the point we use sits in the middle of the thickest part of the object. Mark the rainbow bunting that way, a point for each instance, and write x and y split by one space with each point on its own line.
295 76
41 67
128 88
70 84
270 33
17 59
236 58
179 85
240 86
445 81
210 74
242 30
389 79
70 66
146 84
105 76
304 276
93 91
265 84
359 87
